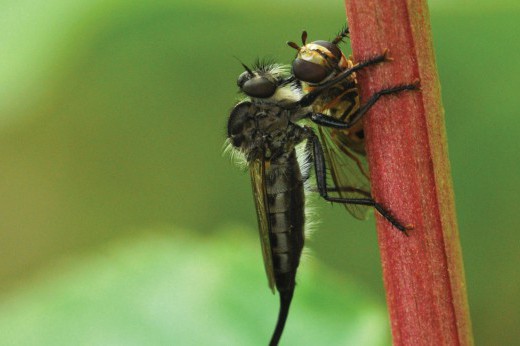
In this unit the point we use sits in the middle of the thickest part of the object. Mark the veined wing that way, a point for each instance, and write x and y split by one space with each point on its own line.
257 171
347 168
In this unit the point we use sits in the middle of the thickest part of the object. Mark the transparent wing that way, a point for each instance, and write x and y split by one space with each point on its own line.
347 175
257 171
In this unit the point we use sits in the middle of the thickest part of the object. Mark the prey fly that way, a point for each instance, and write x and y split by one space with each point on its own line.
338 118
264 129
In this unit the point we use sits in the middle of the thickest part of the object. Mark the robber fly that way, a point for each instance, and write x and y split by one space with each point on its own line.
263 129
340 115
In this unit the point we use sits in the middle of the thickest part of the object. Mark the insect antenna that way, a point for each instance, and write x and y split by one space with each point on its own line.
304 37
293 45
285 303
245 66
248 69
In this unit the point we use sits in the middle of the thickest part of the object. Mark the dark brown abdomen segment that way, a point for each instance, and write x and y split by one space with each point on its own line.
286 205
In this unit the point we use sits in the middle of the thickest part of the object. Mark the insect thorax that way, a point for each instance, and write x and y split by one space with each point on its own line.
263 131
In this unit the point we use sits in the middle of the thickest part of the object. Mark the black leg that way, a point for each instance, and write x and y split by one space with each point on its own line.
309 98
328 121
321 179
350 99
393 90
343 33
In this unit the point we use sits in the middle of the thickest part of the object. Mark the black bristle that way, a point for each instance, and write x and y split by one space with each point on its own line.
263 64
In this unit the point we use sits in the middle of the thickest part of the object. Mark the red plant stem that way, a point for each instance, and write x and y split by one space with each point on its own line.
410 173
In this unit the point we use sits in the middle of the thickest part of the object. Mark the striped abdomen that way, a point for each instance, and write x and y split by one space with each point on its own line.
286 204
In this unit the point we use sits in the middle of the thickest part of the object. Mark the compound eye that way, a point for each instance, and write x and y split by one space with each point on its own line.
333 48
259 87
308 71
242 79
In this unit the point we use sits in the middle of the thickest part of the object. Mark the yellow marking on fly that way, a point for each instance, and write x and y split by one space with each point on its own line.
310 53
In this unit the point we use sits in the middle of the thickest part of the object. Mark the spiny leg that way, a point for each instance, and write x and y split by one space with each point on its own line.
329 121
321 179
309 98
348 98
343 33
377 95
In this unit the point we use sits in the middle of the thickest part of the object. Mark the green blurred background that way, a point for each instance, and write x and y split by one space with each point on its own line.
122 224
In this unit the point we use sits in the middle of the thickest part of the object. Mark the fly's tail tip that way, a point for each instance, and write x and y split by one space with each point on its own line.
285 303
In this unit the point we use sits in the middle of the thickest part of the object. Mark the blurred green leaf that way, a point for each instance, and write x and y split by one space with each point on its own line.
174 290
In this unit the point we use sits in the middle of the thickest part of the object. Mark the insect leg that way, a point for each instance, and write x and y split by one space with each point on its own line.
373 99
349 98
309 98
329 121
344 33
321 180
